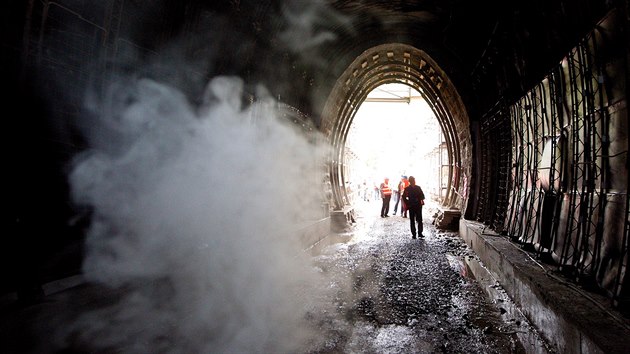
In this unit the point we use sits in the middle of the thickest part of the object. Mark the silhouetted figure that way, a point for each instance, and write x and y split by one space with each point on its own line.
403 206
414 197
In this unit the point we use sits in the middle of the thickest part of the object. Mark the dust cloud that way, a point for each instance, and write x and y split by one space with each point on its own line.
195 206
194 216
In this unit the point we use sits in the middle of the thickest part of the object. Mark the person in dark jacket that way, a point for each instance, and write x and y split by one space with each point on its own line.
414 197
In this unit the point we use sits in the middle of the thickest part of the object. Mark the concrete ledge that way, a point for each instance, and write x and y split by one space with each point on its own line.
568 318
341 220
447 219
314 232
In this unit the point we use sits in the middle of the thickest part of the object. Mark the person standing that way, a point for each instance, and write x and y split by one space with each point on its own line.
366 192
398 195
403 207
386 195
414 197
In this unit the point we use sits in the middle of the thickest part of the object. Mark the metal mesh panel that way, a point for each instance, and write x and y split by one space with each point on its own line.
559 189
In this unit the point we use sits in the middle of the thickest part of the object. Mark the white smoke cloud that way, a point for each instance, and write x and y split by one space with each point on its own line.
310 25
196 209
194 220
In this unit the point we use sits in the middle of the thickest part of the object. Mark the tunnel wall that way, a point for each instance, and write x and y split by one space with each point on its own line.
555 164
46 81
60 50
62 39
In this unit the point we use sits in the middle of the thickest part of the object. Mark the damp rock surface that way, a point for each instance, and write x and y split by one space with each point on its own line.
394 294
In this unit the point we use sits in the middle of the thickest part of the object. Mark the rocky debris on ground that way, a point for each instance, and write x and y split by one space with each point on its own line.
394 294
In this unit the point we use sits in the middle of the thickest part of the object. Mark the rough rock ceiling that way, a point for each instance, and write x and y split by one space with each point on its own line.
485 46
488 44
463 27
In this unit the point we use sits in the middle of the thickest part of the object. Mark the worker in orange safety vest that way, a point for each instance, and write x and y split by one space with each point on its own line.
386 195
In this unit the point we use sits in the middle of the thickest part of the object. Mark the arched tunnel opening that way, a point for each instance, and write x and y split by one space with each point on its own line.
402 64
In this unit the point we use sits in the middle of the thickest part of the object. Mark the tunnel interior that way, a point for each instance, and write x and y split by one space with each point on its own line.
531 98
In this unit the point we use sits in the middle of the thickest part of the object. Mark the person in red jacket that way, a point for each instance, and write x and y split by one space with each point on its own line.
386 195
414 197
403 207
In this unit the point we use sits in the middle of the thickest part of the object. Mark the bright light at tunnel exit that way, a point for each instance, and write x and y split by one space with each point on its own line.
394 133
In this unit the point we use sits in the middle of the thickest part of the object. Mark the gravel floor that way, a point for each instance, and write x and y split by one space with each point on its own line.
394 294
383 292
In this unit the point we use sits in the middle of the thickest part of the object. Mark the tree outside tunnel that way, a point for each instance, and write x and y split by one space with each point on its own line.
394 133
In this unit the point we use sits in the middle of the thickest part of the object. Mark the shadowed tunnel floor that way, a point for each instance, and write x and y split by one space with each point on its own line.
404 295
387 293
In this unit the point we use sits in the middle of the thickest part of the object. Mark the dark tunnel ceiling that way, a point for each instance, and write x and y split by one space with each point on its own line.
485 46
462 27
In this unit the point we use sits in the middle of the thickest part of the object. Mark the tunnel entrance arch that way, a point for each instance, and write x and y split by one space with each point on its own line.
398 63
